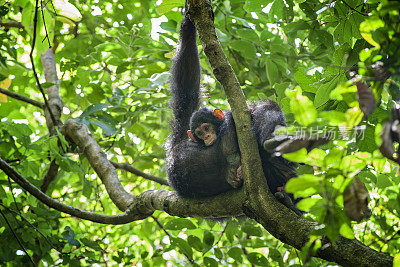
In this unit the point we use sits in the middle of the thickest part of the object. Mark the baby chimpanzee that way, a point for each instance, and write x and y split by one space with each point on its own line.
208 163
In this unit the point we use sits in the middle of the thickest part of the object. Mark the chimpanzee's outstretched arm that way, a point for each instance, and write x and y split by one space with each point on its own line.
266 117
185 80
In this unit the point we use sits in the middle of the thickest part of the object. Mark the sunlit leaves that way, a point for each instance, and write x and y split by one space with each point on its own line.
179 224
167 5
306 82
255 5
272 71
304 185
367 29
246 48
195 243
69 235
257 259
66 9
302 107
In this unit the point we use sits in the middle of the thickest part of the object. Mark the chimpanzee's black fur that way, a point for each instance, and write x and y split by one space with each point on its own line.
195 170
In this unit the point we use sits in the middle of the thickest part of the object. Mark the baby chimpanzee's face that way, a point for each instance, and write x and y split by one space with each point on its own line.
206 132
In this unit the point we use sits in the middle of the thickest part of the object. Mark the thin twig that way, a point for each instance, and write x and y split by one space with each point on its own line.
352 8
222 233
16 237
22 98
44 24
129 168
11 24
52 203
34 227
170 236
33 64
15 201
161 226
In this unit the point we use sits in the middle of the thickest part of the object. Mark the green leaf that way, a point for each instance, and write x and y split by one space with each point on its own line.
303 109
280 89
248 34
255 5
306 82
160 78
346 231
236 254
333 117
272 71
396 261
323 92
353 117
275 255
167 5
245 47
106 127
195 242
343 32
93 109
334 157
179 224
383 181
218 253
366 139
251 229
18 130
306 204
69 235
208 240
276 11
210 262
47 85
345 91
183 246
368 26
291 29
257 259
91 244
3 10
87 188
297 156
68 10
304 185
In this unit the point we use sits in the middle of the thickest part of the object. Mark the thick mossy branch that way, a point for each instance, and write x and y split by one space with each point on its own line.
143 205
261 205
81 136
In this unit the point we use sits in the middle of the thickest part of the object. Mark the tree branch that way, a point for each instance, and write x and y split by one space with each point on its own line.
82 137
55 103
50 175
143 206
11 24
52 203
22 98
35 20
16 237
129 168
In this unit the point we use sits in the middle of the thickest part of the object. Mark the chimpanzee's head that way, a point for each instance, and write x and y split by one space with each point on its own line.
205 125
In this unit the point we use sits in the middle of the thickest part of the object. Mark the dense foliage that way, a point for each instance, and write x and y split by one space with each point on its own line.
113 60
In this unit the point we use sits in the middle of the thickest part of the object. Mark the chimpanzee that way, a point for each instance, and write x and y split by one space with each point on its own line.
208 162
